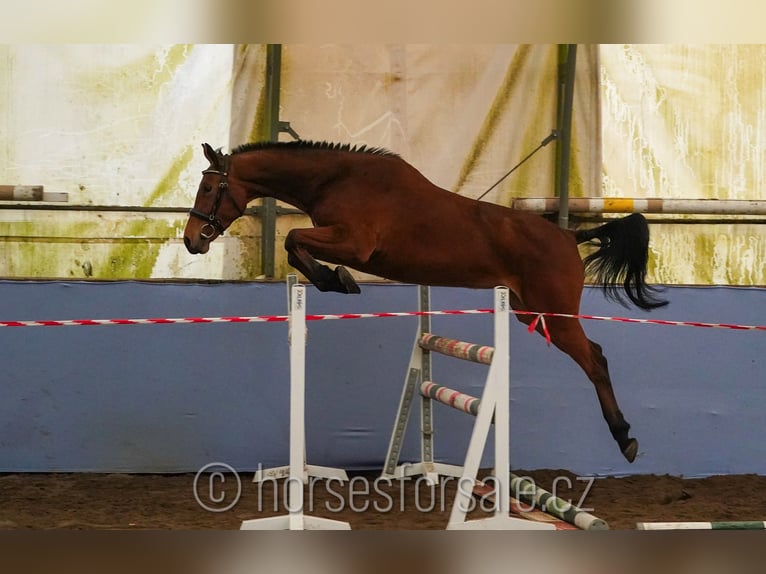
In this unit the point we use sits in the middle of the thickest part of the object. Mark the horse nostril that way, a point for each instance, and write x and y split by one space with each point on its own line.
187 242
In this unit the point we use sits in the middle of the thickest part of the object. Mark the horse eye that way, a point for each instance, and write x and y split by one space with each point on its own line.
207 188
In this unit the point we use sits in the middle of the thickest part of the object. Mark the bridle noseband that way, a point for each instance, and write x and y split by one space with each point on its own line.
211 219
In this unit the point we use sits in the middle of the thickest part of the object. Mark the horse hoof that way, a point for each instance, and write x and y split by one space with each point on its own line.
347 280
630 451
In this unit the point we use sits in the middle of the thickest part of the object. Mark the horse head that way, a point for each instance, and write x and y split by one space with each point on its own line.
215 206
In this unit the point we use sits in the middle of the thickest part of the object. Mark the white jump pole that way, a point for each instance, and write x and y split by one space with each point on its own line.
296 519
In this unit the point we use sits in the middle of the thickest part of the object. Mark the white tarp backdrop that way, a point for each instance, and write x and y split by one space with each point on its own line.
121 126
689 122
111 126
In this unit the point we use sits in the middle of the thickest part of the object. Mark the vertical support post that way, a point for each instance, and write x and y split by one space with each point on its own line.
495 403
402 417
297 405
501 365
491 408
426 407
296 518
419 370
567 67
290 280
272 129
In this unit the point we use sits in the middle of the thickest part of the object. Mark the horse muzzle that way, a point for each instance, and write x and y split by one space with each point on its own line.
200 246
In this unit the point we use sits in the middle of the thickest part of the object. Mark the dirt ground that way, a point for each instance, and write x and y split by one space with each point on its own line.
175 502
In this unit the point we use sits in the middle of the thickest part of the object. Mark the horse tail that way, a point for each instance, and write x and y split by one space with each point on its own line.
620 260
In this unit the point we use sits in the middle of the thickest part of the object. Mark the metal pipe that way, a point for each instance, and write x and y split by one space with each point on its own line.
256 210
271 129
582 205
563 158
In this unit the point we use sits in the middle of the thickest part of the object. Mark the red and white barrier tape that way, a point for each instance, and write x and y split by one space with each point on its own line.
157 321
283 318
648 321
255 319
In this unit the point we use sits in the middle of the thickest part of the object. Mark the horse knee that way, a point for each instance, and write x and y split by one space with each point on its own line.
291 240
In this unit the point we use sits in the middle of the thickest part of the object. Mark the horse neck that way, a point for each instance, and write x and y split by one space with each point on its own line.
289 176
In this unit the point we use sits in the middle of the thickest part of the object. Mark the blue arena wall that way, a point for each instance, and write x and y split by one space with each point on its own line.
173 398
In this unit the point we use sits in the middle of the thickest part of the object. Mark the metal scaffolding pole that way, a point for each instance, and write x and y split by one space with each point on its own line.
567 68
271 129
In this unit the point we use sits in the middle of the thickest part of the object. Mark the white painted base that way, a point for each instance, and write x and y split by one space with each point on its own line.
294 522
500 523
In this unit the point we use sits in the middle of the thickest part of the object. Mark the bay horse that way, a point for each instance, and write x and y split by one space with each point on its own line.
375 213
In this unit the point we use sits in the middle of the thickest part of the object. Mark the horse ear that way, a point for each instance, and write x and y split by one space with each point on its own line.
210 153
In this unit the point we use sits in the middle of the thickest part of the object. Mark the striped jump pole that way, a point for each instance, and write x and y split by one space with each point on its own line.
450 397
528 492
21 192
418 372
658 206
722 525
522 488
30 193
493 407
457 349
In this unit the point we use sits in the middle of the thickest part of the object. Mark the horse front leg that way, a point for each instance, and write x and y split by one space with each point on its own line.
304 245
323 278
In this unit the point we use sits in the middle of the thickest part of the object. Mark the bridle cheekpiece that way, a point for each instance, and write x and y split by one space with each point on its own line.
211 219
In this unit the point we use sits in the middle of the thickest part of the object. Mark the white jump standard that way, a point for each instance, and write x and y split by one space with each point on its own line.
493 406
298 469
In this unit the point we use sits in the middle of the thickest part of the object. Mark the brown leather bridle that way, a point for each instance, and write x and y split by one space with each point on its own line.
211 219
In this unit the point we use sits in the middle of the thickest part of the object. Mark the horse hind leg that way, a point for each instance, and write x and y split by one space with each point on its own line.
567 334
556 286
618 426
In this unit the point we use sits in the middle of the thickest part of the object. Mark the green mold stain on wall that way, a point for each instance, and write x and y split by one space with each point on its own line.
130 260
704 252
138 77
134 258
490 123
170 180
259 129
118 249
109 249
513 92
250 73
527 177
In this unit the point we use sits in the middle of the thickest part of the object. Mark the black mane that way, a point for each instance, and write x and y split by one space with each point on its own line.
306 144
